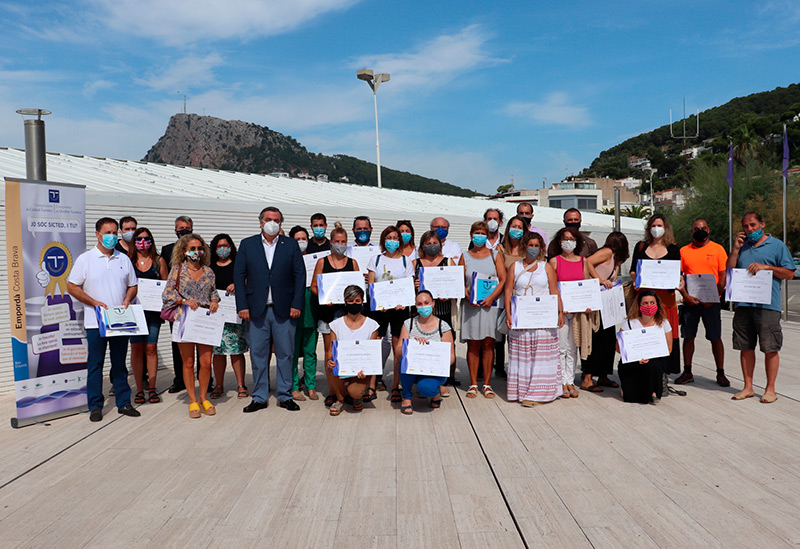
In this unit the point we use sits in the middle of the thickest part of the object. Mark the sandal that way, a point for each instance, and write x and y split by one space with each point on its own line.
605 382
488 392
194 410
312 394
139 398
370 394
329 400
208 408
407 410
472 392
444 392
217 392
336 408
592 388
242 392
396 395
436 403
573 393
564 391
358 404
154 398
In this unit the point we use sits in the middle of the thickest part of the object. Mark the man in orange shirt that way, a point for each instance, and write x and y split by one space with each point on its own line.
702 256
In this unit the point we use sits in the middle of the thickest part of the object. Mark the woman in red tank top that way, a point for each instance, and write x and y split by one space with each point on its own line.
569 265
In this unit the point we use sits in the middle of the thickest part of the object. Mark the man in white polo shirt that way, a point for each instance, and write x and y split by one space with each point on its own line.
103 277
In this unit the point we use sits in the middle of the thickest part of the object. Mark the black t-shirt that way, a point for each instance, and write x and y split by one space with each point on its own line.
313 247
224 275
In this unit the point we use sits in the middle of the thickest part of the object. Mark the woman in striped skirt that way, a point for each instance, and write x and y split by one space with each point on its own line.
534 368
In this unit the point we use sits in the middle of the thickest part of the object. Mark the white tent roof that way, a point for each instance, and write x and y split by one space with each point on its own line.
125 176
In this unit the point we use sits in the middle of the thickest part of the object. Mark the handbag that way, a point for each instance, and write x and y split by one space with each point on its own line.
169 313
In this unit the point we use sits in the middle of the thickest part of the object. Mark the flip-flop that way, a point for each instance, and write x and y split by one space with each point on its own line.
592 389
607 383
768 399
741 395
407 410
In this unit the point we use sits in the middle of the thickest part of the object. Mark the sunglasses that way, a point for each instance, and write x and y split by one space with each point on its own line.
143 239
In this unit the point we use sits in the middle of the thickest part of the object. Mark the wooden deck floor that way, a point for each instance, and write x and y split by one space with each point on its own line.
699 470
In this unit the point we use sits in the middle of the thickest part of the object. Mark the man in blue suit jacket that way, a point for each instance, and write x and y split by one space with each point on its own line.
270 279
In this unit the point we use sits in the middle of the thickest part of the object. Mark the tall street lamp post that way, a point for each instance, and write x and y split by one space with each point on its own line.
374 81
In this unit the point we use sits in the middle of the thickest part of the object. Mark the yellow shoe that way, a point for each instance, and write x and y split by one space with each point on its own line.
194 410
208 408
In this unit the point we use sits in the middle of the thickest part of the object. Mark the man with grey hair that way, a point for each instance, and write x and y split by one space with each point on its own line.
270 280
183 226
450 249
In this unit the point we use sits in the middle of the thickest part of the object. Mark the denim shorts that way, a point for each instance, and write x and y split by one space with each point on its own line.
154 327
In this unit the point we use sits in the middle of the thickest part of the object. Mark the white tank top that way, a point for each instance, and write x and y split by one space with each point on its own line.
533 281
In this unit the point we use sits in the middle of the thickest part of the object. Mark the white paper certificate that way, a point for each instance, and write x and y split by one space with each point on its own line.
391 293
425 359
534 312
199 326
352 357
658 274
330 286
443 282
743 287
362 255
138 316
642 344
702 287
612 311
311 263
227 308
150 292
579 295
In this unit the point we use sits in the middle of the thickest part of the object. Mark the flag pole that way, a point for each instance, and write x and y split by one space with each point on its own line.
785 283
730 207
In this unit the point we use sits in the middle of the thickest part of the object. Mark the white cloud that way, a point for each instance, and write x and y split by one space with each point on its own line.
434 63
555 109
190 72
91 88
191 21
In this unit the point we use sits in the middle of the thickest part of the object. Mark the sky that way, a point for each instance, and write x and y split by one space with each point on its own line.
480 92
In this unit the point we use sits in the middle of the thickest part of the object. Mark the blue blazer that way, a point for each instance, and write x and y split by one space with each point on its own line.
253 278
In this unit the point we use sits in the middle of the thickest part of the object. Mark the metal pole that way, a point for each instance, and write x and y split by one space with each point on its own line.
617 226
730 230
377 140
35 161
785 293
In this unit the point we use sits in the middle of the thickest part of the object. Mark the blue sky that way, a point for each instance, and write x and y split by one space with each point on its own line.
479 91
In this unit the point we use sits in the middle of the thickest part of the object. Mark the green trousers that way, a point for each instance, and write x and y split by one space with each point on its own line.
305 342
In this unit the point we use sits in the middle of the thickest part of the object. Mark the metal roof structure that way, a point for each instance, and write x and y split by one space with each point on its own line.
105 175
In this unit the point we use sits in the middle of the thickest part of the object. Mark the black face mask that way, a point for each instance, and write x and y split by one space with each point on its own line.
353 308
183 232
700 235
574 224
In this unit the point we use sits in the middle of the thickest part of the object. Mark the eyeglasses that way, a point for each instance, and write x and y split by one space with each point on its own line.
143 239
195 248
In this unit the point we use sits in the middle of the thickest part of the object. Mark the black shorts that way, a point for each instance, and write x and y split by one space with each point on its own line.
751 324
712 321
393 318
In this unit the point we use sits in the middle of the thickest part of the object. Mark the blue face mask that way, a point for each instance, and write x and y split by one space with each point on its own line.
391 245
479 240
109 241
755 236
425 311
406 237
515 234
441 233
363 236
319 232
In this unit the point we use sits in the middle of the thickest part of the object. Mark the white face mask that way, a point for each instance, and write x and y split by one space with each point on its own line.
303 245
128 236
271 228
493 225
657 231
568 245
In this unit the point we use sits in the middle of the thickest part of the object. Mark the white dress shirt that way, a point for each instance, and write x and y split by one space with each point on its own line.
451 249
269 251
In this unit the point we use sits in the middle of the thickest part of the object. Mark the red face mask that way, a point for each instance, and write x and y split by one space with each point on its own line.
648 310
143 245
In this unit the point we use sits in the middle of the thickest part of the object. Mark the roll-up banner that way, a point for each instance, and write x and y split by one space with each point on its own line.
45 232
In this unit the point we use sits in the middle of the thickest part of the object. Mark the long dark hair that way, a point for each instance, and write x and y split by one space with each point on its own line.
634 311
215 243
618 244
133 253
579 240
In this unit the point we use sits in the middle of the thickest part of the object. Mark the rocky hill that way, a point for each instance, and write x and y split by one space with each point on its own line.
208 142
